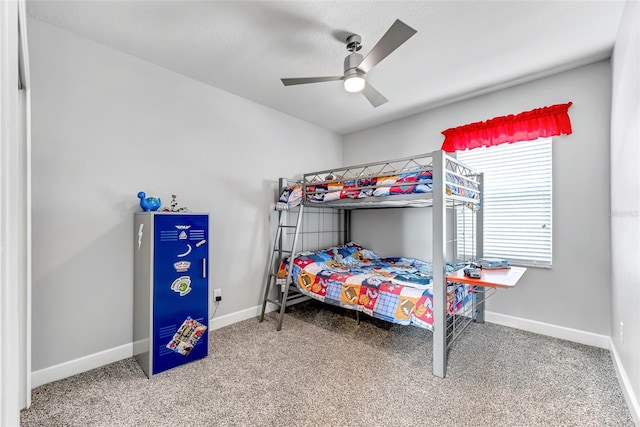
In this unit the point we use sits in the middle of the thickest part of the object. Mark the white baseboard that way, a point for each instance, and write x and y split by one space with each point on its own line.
96 360
82 364
575 335
92 361
251 312
625 384
238 316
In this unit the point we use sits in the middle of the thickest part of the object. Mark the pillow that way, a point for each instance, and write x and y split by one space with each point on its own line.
352 253
290 198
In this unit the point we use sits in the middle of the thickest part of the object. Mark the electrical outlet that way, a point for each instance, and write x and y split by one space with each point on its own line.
217 295
621 332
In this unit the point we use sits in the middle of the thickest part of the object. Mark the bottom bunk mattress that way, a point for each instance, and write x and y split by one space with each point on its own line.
398 290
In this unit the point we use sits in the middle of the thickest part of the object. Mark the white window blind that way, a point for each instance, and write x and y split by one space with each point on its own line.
516 204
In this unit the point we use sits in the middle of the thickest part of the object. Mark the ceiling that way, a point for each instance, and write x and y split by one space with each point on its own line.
461 49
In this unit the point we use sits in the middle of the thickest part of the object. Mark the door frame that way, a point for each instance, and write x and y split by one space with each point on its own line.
15 227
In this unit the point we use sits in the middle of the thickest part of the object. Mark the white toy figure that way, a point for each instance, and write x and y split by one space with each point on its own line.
174 203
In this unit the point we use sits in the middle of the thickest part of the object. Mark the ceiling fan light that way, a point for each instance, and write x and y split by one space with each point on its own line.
354 83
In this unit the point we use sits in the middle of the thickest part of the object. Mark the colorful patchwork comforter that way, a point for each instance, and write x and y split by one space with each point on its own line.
381 186
397 290
406 183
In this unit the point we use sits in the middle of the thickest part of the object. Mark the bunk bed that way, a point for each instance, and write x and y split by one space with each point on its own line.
348 275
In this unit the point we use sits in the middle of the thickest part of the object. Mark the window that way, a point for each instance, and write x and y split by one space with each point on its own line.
517 201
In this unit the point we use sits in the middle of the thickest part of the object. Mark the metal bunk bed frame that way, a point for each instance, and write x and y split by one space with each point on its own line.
444 169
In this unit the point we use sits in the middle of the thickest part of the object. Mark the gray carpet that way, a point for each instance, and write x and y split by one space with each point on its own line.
322 369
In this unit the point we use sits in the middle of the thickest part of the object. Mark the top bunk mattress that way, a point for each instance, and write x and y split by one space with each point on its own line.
397 190
395 183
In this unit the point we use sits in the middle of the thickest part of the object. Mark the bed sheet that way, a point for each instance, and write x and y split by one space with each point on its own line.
397 290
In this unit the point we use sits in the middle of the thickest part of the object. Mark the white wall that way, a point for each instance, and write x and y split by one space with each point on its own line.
107 125
576 292
625 201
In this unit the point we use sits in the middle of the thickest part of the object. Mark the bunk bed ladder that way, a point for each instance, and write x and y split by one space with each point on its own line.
279 254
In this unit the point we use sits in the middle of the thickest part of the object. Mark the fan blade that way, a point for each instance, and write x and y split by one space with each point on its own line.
305 80
395 36
375 98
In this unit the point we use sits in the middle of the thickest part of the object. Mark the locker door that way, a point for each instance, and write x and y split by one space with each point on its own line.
180 289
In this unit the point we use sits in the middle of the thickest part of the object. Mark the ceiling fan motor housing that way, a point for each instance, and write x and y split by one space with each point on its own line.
351 63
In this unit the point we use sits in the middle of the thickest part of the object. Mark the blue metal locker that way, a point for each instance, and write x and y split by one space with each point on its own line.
171 291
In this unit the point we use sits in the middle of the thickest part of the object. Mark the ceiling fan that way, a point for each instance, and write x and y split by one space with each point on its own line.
356 66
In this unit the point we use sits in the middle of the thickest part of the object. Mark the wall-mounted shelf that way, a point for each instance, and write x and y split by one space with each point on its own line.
501 278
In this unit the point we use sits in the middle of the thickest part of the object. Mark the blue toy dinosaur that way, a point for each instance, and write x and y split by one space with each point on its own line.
148 203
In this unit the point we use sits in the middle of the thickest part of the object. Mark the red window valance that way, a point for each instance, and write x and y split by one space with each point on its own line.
539 123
